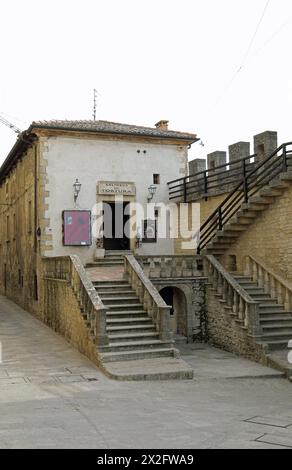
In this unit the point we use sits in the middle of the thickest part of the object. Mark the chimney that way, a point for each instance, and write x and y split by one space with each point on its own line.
163 125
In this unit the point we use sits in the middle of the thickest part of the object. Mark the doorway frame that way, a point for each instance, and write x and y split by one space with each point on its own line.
101 198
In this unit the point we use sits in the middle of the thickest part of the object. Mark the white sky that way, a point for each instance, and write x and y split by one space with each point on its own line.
149 60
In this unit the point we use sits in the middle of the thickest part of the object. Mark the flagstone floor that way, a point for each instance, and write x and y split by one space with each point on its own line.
53 397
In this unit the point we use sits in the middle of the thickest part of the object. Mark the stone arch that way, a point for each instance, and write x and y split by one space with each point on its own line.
176 297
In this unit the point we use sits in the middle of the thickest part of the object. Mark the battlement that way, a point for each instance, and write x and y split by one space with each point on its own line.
218 174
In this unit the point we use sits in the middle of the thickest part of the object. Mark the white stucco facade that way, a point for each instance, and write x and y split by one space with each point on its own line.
92 160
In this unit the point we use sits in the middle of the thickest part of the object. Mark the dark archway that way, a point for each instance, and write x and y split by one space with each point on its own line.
177 300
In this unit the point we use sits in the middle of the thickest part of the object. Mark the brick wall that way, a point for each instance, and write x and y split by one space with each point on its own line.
268 238
18 244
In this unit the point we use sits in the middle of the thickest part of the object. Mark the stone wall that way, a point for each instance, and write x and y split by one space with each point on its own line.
268 238
62 313
19 245
225 333
185 219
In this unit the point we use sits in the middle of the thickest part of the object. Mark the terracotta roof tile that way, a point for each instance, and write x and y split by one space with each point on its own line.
112 128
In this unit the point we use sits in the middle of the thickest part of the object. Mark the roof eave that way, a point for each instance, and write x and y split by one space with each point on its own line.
188 139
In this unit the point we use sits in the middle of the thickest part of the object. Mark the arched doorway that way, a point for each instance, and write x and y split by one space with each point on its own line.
178 314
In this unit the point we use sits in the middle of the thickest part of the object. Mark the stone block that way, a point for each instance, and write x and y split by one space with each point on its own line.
238 151
215 159
197 165
264 144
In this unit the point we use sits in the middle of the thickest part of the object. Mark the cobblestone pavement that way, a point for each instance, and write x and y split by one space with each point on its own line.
53 397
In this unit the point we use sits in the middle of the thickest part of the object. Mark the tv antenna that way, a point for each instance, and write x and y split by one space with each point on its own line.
94 103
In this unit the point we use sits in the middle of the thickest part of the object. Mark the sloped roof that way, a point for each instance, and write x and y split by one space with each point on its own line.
108 127
26 138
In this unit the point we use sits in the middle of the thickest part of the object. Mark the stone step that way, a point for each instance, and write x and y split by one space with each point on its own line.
274 317
129 321
113 287
258 294
270 308
248 285
247 214
136 354
243 278
140 344
271 192
254 206
134 313
130 328
274 344
213 251
254 288
264 299
118 252
120 300
261 200
222 233
223 238
245 221
277 184
281 335
106 262
278 326
119 282
233 227
286 176
115 293
218 245
126 338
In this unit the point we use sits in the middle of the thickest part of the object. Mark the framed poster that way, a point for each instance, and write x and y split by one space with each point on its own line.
149 231
76 228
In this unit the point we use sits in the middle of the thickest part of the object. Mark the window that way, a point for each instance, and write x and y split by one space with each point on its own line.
35 286
14 226
7 228
149 231
156 178
29 222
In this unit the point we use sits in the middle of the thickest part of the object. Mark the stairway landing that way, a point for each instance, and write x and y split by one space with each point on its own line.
135 351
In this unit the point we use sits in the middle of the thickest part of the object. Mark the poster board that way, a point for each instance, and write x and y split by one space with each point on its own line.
76 228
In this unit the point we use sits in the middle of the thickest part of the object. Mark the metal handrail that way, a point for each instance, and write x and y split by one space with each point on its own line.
251 183
180 187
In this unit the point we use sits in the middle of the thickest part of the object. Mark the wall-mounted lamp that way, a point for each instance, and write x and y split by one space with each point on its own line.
76 187
151 192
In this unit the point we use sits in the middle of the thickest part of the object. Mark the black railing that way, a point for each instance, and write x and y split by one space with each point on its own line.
221 178
250 183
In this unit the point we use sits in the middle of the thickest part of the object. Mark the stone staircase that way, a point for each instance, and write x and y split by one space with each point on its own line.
111 258
132 334
247 213
275 321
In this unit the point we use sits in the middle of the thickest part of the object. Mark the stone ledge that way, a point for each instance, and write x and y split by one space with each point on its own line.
149 369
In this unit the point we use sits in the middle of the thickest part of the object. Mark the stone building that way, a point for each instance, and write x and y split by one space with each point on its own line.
123 297
55 177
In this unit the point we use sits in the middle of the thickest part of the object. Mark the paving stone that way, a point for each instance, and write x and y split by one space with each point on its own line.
283 440
200 413
271 421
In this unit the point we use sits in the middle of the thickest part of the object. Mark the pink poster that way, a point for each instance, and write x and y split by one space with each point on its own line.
77 228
